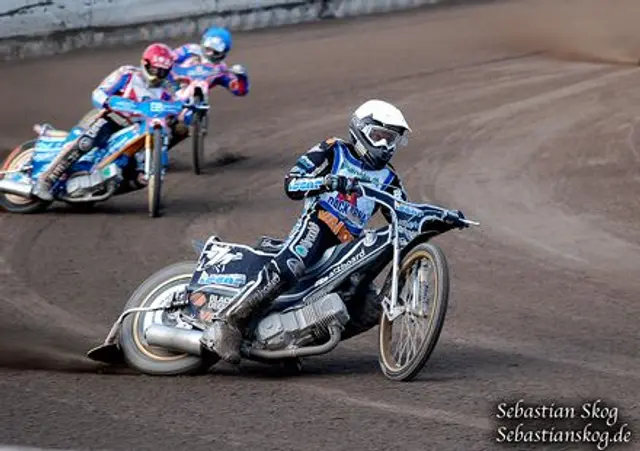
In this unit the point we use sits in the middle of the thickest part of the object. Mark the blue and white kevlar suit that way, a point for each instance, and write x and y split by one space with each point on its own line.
329 217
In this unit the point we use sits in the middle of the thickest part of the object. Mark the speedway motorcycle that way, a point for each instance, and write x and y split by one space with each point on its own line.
102 172
159 330
195 80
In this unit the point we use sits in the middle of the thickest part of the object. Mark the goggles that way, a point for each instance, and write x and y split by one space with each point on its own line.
213 55
158 72
382 136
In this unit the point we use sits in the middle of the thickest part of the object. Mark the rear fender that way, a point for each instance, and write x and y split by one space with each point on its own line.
47 147
227 266
198 246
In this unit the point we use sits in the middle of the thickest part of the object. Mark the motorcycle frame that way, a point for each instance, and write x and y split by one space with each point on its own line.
390 308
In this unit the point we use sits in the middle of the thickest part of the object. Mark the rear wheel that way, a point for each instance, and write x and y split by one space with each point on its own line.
16 161
157 291
155 178
406 343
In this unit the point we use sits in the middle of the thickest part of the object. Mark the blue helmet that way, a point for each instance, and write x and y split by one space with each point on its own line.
216 43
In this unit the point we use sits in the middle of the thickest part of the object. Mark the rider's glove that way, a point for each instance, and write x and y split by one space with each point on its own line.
238 69
339 183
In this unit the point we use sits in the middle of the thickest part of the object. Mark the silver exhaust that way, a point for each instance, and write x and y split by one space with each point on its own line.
188 340
173 338
16 188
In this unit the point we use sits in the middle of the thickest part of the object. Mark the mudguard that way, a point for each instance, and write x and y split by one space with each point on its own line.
48 147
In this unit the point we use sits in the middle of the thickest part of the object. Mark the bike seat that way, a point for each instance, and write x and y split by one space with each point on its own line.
269 244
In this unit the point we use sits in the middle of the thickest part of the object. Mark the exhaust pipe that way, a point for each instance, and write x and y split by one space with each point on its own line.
185 340
175 339
335 334
16 188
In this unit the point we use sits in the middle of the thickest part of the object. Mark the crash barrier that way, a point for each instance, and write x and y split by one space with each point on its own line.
44 27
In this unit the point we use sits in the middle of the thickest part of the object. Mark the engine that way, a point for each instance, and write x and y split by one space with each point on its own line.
83 184
301 325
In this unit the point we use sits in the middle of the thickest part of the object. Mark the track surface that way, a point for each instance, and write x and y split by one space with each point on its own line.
545 294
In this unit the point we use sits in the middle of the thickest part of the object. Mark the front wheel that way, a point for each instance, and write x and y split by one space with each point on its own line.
197 143
156 291
155 176
16 161
423 294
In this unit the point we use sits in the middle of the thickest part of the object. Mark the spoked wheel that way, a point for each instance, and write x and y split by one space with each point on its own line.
157 291
197 141
155 178
406 343
16 161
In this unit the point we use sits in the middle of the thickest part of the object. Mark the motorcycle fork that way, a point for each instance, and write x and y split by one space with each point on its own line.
390 306
147 155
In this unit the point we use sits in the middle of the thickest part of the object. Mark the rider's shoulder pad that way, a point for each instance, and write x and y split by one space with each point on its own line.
128 69
330 142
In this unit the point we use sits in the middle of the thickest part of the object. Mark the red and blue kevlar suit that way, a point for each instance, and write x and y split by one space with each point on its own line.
234 78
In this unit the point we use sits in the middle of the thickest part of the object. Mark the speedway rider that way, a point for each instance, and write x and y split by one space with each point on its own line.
149 81
215 45
323 177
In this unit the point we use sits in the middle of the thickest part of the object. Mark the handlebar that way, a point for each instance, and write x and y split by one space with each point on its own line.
366 189
151 108
195 72
469 222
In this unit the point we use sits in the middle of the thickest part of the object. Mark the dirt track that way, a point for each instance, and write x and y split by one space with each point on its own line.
545 295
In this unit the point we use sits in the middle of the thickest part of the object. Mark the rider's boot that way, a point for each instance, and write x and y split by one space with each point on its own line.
69 155
224 336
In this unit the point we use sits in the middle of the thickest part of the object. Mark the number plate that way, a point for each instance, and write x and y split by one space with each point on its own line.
156 107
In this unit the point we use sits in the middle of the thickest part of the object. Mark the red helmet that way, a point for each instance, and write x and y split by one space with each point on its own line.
157 61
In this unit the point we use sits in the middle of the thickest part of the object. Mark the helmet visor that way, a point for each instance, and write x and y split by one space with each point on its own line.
159 73
213 55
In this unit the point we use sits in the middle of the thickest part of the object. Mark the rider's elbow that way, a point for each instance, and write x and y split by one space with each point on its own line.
291 194
240 91
239 86
99 98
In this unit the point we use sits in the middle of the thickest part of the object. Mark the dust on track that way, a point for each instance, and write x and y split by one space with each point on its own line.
32 350
573 30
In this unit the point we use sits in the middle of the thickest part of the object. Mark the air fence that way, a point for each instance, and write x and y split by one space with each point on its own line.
31 28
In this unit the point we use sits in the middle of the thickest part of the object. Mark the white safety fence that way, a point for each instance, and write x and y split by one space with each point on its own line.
45 27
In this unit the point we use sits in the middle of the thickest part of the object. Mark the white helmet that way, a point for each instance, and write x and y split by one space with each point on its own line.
376 129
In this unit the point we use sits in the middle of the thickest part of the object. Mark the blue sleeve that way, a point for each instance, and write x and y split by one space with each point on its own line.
306 177
181 54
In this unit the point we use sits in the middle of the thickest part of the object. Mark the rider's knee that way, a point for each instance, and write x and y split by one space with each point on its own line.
289 267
